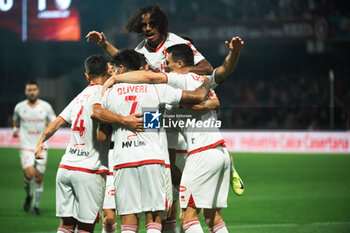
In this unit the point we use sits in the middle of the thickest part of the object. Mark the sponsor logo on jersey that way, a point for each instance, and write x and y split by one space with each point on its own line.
79 152
133 143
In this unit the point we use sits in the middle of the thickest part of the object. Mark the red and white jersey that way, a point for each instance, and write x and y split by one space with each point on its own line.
84 152
32 121
198 139
156 58
134 149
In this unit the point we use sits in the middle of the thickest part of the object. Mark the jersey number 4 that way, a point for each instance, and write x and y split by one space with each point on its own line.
133 99
79 121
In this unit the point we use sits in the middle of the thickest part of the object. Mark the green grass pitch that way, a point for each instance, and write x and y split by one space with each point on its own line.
283 193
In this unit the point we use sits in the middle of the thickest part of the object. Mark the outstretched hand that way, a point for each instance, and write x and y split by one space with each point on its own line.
98 38
235 45
39 148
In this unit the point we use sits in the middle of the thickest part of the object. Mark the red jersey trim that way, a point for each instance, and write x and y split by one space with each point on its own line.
81 169
166 76
34 105
63 119
139 163
218 143
94 84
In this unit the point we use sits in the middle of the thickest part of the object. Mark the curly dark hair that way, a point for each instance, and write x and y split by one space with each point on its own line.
129 58
159 20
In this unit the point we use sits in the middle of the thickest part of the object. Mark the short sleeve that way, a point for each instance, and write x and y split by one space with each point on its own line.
212 80
168 94
105 103
176 80
51 116
97 96
66 113
15 116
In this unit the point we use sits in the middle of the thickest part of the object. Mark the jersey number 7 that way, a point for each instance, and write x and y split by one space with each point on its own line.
133 99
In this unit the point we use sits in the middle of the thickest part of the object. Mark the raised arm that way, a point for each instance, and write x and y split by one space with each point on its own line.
49 131
230 62
100 39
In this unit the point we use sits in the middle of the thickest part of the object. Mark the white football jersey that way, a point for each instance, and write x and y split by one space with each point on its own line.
32 121
156 58
84 152
197 138
134 149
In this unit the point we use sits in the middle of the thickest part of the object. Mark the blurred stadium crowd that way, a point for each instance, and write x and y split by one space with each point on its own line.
278 84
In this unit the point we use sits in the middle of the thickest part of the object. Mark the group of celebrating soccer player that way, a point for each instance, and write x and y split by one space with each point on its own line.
113 163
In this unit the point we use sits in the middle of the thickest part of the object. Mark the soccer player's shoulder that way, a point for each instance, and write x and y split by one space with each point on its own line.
21 104
140 46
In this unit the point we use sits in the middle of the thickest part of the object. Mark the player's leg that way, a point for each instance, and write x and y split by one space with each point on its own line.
85 227
129 223
214 221
28 180
128 204
153 222
108 214
169 225
38 190
67 225
189 219
27 163
65 202
89 191
109 221
40 168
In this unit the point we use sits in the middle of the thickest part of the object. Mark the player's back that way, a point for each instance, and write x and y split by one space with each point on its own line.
84 150
143 147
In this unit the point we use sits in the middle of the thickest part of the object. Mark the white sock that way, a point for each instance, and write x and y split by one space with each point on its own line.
154 227
37 193
27 186
170 227
192 227
109 229
219 228
128 228
64 230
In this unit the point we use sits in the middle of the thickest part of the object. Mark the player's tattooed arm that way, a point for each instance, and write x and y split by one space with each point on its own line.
234 46
100 39
133 122
48 132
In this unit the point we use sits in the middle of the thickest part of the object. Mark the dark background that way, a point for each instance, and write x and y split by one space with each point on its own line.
281 81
